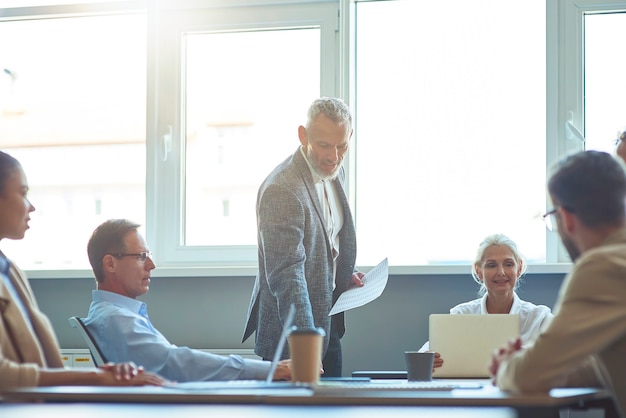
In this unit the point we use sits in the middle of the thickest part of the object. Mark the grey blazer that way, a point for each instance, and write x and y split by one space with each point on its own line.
295 257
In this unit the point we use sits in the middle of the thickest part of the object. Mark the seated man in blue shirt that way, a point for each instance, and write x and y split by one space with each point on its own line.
119 323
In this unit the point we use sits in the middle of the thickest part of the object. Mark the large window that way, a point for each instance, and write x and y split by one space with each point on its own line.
172 113
590 110
604 81
73 111
592 35
226 89
451 128
233 84
242 111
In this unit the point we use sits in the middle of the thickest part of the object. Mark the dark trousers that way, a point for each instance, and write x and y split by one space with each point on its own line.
332 360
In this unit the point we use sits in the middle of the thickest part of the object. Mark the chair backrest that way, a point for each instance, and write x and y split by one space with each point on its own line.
612 373
96 354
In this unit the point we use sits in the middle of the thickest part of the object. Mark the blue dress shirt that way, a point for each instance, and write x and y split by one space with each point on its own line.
123 331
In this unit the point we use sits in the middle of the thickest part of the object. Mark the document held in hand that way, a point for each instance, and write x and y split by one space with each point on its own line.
374 283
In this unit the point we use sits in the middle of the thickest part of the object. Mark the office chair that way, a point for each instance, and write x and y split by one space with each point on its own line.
613 377
96 354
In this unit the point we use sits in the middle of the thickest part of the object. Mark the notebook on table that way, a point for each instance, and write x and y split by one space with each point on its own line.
466 342
380 374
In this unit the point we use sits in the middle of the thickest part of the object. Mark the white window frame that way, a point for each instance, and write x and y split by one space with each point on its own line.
571 108
165 130
564 96
566 78
63 10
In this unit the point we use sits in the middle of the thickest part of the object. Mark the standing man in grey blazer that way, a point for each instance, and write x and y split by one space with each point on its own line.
306 237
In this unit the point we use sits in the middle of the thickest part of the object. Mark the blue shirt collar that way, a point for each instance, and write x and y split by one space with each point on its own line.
4 264
133 305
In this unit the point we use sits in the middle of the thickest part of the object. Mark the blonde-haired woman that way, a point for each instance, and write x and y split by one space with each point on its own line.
497 268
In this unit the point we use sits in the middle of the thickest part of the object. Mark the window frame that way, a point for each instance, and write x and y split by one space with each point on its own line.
564 97
165 174
566 85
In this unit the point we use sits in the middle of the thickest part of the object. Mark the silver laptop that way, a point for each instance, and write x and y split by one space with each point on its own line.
466 342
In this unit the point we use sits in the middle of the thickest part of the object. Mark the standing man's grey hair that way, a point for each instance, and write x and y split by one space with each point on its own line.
591 184
497 239
108 238
335 109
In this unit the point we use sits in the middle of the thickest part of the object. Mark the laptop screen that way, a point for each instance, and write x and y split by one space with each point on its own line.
281 342
466 342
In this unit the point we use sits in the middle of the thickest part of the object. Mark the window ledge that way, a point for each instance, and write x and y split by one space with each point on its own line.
560 268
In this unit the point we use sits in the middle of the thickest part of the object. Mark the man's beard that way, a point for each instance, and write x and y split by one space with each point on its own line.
322 175
569 245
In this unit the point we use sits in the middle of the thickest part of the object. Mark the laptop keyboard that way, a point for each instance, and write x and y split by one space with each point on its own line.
330 386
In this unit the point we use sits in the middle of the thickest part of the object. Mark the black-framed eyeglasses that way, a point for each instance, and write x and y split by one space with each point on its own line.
142 256
547 218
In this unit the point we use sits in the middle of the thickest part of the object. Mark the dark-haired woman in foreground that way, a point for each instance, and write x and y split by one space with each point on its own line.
29 351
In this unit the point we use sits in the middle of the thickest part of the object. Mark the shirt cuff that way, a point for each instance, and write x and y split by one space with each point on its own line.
255 369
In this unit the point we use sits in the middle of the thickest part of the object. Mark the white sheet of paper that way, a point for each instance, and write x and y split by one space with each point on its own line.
374 283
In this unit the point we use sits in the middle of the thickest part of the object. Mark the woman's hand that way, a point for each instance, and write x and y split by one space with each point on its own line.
438 362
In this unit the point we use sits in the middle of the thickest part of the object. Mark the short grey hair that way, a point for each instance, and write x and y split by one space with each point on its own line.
497 239
333 108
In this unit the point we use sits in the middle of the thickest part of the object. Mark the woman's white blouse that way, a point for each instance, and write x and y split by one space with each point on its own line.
532 317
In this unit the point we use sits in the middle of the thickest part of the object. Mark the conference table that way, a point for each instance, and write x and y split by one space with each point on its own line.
121 410
478 398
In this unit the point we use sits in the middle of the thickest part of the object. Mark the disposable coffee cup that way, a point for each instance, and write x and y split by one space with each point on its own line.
305 351
419 365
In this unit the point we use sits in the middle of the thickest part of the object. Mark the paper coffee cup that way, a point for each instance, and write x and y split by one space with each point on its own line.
305 351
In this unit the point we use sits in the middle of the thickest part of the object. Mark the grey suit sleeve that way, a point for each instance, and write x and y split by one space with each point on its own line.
282 226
